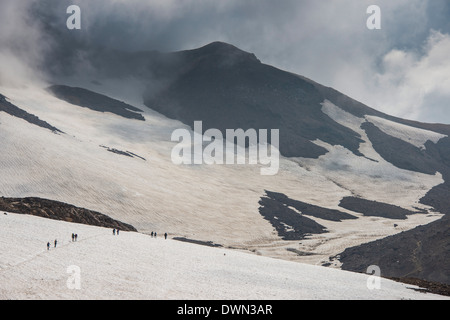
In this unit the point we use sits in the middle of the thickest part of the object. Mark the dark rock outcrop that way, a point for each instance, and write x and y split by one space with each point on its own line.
95 101
310 209
375 208
15 111
228 88
423 253
294 225
60 211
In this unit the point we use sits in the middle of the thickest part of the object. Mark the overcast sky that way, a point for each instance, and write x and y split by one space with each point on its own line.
402 69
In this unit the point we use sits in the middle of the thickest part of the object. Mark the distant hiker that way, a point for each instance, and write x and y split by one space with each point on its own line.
114 232
165 235
56 242
73 237
48 245
155 234
152 234
76 237
117 231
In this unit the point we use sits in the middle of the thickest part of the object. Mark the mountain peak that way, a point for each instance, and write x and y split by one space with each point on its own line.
223 49
221 46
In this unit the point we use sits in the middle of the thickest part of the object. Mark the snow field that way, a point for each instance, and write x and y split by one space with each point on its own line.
136 266
210 203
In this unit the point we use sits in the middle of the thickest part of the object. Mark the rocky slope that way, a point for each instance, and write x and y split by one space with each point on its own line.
60 211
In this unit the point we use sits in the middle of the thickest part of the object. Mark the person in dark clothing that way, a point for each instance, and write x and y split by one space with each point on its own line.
48 245
165 235
73 237
117 231
114 232
76 237
152 234
56 242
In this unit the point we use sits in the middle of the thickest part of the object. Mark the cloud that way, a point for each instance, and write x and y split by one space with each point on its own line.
20 44
392 69
417 86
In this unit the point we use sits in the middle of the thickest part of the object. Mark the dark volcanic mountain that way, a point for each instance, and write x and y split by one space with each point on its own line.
226 87
229 88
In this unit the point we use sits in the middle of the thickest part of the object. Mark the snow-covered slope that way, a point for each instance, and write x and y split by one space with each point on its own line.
372 177
137 266
414 136
211 203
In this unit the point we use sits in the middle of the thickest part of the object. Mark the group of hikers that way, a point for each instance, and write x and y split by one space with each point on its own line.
115 232
48 244
154 235
55 243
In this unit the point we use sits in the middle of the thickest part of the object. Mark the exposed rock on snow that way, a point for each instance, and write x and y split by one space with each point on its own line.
15 111
60 211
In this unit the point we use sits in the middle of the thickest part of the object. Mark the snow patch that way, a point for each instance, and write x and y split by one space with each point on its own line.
415 136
